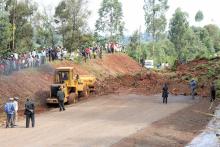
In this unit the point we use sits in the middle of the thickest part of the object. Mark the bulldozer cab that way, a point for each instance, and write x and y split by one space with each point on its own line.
63 75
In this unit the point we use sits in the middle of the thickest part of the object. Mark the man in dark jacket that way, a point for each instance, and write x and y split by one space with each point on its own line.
165 93
60 97
213 92
29 112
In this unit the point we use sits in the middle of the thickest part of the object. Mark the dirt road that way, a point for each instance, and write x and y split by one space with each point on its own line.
101 121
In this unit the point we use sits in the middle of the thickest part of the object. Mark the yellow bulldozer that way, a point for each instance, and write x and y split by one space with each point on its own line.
74 86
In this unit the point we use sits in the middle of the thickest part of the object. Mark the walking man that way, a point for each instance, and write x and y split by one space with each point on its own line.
15 118
165 93
213 92
60 97
193 86
10 110
29 112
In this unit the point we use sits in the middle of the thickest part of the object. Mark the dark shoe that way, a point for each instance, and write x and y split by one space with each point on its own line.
64 109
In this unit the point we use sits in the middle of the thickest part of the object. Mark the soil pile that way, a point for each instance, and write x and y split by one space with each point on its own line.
204 71
35 83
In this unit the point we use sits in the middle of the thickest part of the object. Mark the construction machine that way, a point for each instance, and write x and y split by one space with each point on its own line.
74 86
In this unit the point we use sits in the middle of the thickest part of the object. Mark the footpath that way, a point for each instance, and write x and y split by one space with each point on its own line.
210 137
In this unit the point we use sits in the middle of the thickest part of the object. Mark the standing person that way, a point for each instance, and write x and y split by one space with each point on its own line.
9 109
112 47
213 92
15 118
60 97
193 86
165 93
142 62
100 52
29 112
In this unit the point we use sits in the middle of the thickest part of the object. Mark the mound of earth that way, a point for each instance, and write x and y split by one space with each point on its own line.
204 71
35 83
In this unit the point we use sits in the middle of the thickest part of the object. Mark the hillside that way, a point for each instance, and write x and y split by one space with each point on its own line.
35 83
204 71
113 72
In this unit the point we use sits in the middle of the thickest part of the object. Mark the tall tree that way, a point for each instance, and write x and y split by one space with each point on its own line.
155 19
204 36
199 16
61 17
177 30
110 22
45 34
20 13
134 46
214 33
5 37
73 15
5 28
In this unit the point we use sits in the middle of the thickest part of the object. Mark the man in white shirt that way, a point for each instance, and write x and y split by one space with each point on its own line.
43 52
16 56
15 118
34 53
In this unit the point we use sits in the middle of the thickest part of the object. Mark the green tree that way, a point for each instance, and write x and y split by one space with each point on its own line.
110 22
177 30
5 34
61 17
199 16
204 36
155 19
134 46
194 46
165 52
20 16
214 33
45 35
73 15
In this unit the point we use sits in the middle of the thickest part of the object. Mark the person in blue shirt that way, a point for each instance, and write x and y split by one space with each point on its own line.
193 86
10 110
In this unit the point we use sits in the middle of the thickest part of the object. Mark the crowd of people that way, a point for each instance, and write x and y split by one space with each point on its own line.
17 61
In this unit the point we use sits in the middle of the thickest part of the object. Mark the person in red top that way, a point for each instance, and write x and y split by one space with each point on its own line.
112 47
87 52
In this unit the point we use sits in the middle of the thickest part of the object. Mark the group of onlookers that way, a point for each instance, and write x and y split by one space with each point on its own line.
11 110
35 58
17 61
92 52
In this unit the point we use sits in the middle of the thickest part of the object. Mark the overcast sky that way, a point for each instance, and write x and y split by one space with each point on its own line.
134 14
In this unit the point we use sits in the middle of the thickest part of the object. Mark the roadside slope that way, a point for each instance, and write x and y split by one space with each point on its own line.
35 83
